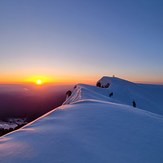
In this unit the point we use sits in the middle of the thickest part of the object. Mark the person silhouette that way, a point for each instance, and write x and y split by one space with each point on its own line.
111 94
134 104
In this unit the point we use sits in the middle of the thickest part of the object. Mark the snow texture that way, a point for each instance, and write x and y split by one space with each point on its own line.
95 128
12 123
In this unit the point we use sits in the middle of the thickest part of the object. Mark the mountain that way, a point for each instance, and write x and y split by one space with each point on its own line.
95 124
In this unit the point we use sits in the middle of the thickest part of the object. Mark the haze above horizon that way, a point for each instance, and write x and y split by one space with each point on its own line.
73 41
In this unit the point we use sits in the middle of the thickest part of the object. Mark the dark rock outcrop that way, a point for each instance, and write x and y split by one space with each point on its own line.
68 93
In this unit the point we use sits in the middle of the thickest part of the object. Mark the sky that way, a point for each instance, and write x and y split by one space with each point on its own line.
81 40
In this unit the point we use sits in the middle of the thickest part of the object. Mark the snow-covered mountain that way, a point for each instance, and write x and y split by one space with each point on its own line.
94 125
12 123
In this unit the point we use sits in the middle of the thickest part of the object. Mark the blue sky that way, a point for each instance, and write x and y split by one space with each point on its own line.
81 39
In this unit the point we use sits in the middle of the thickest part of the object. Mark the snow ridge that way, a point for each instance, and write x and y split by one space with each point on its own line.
124 92
94 126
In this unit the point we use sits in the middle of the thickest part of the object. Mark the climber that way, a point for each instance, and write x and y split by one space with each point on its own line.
134 104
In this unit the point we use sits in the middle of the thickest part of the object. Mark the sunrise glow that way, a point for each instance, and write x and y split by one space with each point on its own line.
38 82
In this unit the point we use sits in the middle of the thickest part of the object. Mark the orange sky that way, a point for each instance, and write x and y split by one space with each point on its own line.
70 79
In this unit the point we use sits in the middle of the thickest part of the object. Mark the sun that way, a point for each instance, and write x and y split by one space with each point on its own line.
38 82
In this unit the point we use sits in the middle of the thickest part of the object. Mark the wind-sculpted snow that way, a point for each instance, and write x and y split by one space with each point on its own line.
91 127
147 97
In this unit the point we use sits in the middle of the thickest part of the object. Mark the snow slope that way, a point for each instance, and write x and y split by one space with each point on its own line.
93 127
147 97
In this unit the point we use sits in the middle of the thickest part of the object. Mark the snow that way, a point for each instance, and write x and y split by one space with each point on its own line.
147 97
6 125
93 127
12 123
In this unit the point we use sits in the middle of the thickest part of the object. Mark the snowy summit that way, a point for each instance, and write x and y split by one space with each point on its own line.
116 121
